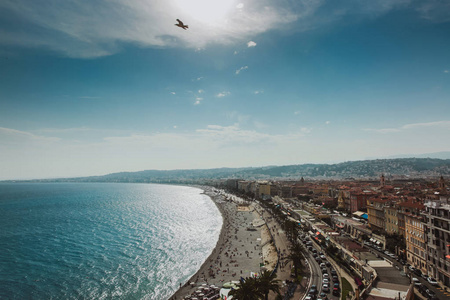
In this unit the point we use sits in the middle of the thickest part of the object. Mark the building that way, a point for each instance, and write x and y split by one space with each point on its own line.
415 240
437 226
391 219
375 212
358 200
263 190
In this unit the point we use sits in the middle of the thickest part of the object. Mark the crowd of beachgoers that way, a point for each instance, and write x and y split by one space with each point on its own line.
243 250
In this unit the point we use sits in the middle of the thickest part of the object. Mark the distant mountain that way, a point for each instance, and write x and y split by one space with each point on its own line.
440 155
365 169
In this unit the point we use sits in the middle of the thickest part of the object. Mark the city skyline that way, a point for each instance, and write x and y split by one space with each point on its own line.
93 87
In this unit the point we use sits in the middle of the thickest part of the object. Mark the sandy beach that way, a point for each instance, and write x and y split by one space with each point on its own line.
244 247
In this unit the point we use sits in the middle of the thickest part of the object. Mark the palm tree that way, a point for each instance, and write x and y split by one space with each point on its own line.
266 282
246 290
297 256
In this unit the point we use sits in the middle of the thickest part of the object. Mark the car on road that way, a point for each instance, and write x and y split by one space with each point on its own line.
416 281
417 272
333 272
312 295
325 281
430 293
328 264
324 270
325 275
325 288
323 257
432 281
335 291
335 279
322 265
323 296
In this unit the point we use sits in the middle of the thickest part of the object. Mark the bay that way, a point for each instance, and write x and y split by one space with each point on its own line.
102 240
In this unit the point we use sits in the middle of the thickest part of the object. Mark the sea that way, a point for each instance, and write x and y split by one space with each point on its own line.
102 240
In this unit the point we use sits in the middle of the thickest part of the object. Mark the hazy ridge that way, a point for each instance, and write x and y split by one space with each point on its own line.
365 169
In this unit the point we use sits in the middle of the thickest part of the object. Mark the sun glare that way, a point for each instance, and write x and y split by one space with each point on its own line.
205 11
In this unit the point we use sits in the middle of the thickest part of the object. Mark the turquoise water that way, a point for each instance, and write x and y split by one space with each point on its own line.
102 241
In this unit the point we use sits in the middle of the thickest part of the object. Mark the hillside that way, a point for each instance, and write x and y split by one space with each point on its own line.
366 169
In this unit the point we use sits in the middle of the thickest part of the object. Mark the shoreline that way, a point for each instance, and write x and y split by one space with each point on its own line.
183 287
237 253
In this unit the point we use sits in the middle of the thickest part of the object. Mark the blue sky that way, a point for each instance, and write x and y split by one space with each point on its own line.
94 87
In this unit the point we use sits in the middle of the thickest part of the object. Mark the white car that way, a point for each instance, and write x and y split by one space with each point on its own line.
432 281
325 281
416 281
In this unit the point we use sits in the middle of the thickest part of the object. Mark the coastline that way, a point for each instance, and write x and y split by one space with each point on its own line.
238 251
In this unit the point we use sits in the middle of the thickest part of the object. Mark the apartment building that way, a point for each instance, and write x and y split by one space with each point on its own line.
375 213
391 219
358 200
415 241
437 227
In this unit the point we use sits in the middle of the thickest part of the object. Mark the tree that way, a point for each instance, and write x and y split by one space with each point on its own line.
296 256
267 282
247 289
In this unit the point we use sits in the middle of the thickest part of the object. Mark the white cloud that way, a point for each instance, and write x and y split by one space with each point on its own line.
446 71
235 52
305 130
251 44
383 130
201 91
222 94
297 112
173 93
9 135
327 123
236 116
198 100
438 124
258 92
241 69
198 79
442 124
259 125
93 28
436 11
